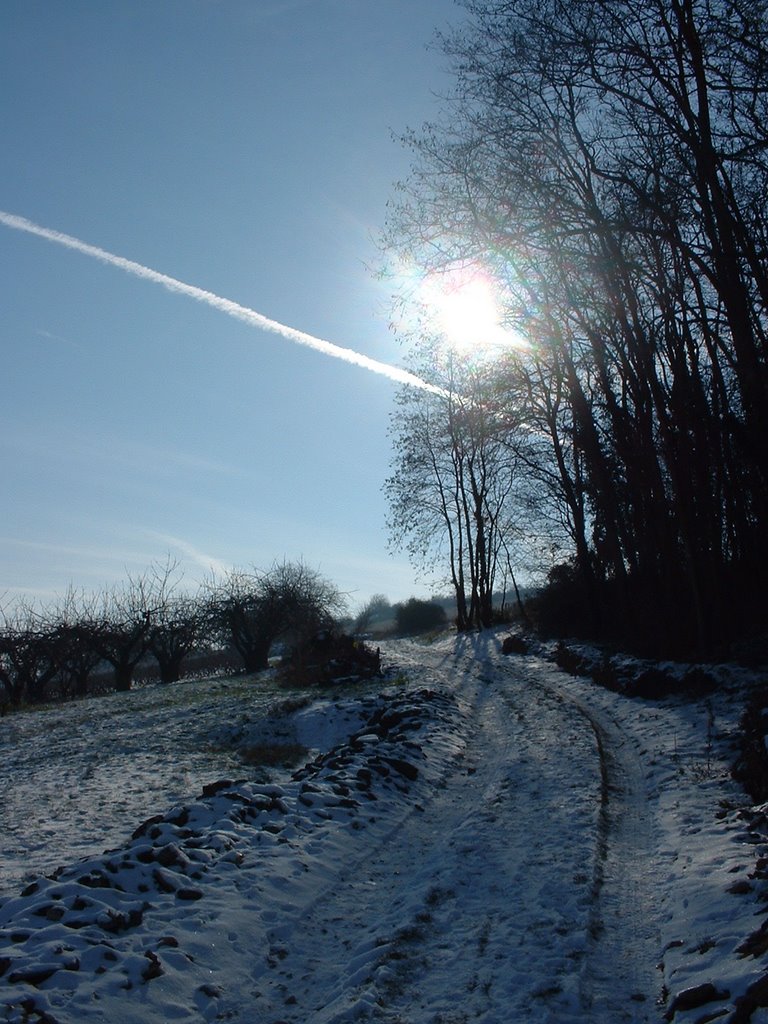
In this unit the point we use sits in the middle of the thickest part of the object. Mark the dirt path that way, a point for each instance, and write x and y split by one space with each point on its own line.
620 980
516 893
624 936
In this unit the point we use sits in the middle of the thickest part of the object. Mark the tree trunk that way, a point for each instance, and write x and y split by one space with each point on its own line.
123 675
170 668
256 657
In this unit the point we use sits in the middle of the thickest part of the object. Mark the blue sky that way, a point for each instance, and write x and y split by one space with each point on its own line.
246 147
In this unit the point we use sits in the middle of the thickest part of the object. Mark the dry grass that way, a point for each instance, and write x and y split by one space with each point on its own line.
274 755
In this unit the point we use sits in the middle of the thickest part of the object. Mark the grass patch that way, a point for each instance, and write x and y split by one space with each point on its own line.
274 755
438 895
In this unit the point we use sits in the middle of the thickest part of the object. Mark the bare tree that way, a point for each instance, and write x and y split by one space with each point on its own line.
180 627
608 162
71 622
254 609
178 620
452 494
28 655
121 630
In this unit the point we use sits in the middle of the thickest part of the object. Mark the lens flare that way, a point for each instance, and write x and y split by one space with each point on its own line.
465 308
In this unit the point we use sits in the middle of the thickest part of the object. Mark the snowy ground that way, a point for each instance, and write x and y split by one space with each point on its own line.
79 777
484 838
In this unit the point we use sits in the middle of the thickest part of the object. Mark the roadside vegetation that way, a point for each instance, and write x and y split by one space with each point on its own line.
150 630
288 618
601 168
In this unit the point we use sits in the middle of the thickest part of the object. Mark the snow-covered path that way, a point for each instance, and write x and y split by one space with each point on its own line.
489 841
621 974
459 913
557 905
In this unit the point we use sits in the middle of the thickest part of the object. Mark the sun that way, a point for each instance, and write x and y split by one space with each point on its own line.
465 309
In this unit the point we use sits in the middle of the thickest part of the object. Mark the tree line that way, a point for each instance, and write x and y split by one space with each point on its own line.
57 650
606 162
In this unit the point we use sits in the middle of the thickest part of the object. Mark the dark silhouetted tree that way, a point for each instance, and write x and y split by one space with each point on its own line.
29 655
454 494
607 162
255 609
121 630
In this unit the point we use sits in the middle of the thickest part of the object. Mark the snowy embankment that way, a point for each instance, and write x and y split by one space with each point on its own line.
488 840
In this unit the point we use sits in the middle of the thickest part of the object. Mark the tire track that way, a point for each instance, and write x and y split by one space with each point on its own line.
620 980
468 865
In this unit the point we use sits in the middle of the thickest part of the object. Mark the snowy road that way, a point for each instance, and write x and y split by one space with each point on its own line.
544 837
488 841
472 907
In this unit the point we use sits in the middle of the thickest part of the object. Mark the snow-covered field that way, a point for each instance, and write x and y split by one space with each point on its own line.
478 838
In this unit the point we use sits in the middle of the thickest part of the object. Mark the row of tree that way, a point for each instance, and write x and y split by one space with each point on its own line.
378 617
606 161
59 648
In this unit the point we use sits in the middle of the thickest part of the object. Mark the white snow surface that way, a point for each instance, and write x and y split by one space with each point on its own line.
478 838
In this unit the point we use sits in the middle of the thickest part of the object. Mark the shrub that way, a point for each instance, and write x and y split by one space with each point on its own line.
514 645
751 768
329 658
274 755
417 616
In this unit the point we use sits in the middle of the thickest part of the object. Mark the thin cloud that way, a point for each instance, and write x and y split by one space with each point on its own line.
58 340
60 564
227 306
75 447
208 562
66 549
153 460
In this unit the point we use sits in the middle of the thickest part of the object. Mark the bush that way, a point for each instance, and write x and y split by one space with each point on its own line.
417 616
330 658
563 607
751 768
274 755
254 610
514 644
572 661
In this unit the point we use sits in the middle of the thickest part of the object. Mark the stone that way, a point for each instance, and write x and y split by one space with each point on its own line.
692 998
154 968
34 975
189 894
404 768
514 645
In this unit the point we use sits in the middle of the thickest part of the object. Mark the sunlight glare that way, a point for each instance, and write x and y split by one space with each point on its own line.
466 311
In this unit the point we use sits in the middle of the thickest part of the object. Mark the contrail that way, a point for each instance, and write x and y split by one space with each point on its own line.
233 309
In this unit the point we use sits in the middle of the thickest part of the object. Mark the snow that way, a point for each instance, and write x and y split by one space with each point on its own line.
477 837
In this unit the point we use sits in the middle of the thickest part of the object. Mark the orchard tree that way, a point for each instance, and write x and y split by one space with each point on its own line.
121 630
28 655
72 623
256 608
179 621
180 626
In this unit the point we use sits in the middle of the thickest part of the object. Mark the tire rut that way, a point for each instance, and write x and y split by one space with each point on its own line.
620 980
462 913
